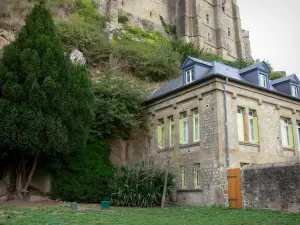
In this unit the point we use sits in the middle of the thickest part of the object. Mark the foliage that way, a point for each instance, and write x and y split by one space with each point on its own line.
185 49
85 37
118 106
46 101
151 61
85 10
178 215
169 28
139 186
275 75
83 176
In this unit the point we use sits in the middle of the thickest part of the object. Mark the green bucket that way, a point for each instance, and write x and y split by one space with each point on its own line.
105 204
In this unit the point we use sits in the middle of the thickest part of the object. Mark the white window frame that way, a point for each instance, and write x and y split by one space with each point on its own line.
294 90
285 132
298 134
189 76
171 134
262 80
197 175
251 126
196 125
241 135
185 128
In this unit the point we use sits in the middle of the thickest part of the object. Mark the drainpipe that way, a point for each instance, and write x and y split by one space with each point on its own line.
226 123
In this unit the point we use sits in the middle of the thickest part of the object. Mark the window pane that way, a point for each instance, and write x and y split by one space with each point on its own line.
240 120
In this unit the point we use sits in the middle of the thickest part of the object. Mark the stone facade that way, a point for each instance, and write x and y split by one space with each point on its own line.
272 186
208 98
213 25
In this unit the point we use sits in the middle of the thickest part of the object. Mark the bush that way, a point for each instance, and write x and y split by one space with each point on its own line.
85 37
118 106
155 62
139 186
185 49
83 176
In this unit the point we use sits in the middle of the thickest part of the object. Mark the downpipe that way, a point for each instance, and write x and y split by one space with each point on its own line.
226 124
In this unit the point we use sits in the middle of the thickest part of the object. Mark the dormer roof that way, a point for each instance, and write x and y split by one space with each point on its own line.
191 60
261 66
217 69
293 78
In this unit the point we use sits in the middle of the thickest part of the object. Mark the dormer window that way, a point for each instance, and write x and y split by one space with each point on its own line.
189 76
294 91
262 80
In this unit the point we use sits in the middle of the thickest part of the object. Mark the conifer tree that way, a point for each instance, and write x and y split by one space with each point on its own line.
45 100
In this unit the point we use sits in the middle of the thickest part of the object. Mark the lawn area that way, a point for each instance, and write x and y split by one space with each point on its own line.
60 215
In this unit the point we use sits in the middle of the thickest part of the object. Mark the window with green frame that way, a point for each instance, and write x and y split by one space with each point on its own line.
183 129
160 134
171 131
197 175
183 176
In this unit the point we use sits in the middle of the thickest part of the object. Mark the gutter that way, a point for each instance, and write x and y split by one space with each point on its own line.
224 77
226 123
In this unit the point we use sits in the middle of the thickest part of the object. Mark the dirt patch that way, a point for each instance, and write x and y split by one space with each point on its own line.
30 204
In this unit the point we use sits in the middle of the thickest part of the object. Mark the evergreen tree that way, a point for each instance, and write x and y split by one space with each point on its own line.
45 100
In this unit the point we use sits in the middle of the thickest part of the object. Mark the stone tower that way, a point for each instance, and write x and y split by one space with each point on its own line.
213 25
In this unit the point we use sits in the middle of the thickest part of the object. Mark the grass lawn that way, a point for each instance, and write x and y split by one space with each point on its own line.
60 215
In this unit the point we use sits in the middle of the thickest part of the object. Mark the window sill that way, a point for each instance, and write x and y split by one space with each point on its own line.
249 143
166 149
189 190
182 146
288 149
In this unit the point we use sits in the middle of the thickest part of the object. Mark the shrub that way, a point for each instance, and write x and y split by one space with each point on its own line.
139 186
84 175
85 37
155 62
118 106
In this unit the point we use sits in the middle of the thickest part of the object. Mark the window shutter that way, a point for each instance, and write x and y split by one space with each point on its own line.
255 124
181 131
291 139
195 175
159 136
283 136
241 133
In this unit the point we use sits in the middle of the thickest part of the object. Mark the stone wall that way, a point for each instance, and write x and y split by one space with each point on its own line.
272 186
212 25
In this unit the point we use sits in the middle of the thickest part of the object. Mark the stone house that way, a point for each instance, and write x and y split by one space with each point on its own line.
220 117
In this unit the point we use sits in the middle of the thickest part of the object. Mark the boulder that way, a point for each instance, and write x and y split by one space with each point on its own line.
4 198
5 37
76 56
37 198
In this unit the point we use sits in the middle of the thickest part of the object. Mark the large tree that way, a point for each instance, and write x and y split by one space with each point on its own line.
45 101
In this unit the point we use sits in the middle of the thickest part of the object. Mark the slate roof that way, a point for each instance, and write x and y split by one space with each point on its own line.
221 70
292 78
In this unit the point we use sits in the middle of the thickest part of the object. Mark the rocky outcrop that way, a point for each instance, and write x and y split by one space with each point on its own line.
5 37
77 57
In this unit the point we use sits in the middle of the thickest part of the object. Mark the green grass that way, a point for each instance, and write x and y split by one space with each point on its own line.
136 216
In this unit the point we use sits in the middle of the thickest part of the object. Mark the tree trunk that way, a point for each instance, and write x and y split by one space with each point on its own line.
20 173
32 171
21 183
163 200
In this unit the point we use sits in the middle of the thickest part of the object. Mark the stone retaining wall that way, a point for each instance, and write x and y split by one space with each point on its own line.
272 186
